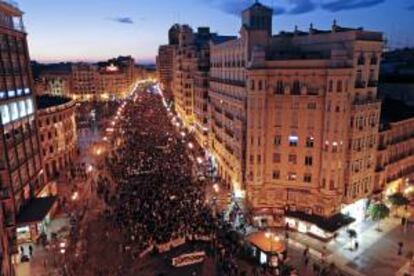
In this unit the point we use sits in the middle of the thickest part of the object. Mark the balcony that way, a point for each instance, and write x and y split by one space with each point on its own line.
229 132
360 84
229 116
372 83
229 82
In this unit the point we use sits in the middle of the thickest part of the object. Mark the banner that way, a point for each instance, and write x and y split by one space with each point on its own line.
146 251
177 242
189 259
202 238
165 247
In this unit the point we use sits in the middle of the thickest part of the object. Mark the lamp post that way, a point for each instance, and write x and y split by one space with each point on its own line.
272 238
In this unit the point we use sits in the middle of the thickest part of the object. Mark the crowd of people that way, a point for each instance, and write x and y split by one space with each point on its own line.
157 198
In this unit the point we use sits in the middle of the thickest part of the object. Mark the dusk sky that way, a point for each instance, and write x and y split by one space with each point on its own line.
90 30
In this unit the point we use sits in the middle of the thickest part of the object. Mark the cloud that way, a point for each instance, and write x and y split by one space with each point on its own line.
235 7
302 6
123 20
339 5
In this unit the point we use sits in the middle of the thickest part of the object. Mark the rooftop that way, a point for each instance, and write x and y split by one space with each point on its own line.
46 101
11 7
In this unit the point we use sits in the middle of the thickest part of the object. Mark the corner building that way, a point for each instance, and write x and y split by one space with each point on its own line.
58 136
21 176
295 116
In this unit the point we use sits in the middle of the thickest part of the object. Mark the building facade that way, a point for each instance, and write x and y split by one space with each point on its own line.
191 78
112 79
294 116
21 176
57 83
165 61
395 155
86 83
165 69
58 136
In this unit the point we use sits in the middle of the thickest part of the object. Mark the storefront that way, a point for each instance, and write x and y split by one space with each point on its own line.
320 227
34 218
357 210
267 249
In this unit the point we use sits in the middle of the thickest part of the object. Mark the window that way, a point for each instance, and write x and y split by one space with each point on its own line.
292 176
334 147
292 159
312 106
252 85
277 140
280 89
276 157
293 140
259 158
308 160
374 59
339 86
296 88
330 86
260 85
276 175
361 59
310 142
307 178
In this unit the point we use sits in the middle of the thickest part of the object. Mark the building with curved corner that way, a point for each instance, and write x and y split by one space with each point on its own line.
57 129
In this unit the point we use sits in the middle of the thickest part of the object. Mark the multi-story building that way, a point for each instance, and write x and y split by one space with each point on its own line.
294 118
190 78
86 83
106 80
165 61
117 77
21 176
395 157
165 69
57 83
57 129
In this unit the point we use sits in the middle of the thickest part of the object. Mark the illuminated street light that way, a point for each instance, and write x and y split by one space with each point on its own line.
75 196
199 160
216 188
190 145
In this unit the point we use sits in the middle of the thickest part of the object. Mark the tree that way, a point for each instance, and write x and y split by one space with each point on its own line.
398 200
378 212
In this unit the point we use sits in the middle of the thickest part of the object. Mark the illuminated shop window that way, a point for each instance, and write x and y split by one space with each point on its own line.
19 92
14 111
22 108
29 106
11 93
2 94
5 114
26 91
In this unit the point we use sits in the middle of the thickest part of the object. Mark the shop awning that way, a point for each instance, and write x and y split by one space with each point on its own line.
266 244
331 224
36 210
